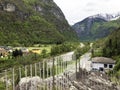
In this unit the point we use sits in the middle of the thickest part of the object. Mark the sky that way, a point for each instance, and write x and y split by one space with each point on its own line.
77 10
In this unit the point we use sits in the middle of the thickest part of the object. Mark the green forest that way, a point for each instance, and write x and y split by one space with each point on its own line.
110 47
28 25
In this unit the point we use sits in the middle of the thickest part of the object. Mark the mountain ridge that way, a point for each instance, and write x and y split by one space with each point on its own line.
33 21
96 26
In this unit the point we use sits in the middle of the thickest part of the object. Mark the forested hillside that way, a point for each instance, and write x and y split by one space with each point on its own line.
110 47
27 22
94 28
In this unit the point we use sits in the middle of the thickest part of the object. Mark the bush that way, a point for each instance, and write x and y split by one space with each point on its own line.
62 48
80 51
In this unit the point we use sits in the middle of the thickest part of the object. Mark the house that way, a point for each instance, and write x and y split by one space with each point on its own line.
37 51
3 52
25 51
102 63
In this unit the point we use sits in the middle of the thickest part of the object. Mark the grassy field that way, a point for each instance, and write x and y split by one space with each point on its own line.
38 49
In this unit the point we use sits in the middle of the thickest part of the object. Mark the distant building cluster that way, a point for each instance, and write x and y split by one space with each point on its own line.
5 51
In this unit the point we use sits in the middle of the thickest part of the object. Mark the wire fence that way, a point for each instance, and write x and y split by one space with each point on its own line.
44 75
59 73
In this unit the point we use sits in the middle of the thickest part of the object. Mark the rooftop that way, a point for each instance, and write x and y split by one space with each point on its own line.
103 60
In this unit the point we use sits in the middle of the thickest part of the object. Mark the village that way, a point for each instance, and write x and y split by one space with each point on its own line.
7 51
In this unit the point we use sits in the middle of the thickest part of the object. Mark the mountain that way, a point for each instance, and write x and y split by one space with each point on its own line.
97 26
27 22
107 17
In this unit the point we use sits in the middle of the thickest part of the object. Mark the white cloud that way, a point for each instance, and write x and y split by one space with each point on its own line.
76 10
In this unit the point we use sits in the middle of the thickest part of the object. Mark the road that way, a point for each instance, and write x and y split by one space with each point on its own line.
85 62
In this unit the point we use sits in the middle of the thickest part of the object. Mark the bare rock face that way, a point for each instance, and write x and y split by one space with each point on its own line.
28 83
9 7
94 81
73 88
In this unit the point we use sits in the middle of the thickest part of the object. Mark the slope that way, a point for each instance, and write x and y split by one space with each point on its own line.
27 22
94 28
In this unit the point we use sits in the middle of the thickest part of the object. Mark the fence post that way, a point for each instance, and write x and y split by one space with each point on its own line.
74 58
47 75
50 76
31 70
13 72
6 80
25 71
26 76
35 70
79 65
20 77
43 76
56 73
60 65
40 69
19 73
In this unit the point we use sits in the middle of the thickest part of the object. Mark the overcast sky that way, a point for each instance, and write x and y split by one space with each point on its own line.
76 10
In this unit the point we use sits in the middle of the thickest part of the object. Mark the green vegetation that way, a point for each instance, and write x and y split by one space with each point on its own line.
28 25
31 59
41 47
18 61
96 29
17 58
110 47
80 51
63 48
102 30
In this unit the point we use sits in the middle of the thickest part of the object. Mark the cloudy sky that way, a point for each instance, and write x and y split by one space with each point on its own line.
76 10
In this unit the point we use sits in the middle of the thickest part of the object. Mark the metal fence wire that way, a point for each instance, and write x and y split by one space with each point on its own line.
54 74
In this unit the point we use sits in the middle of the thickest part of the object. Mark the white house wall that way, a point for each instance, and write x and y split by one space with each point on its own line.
100 65
97 65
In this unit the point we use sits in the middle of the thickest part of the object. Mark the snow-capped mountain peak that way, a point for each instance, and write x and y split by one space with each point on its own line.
107 17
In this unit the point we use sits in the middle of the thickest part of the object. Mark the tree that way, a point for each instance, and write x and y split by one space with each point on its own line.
44 53
17 53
